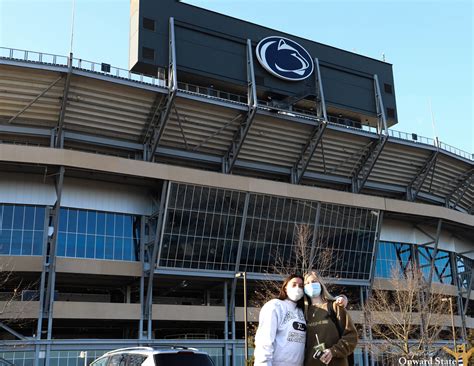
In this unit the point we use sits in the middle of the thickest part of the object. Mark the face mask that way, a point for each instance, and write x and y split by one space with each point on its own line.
294 293
313 289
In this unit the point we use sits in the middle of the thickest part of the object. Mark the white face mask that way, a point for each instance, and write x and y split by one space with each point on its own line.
294 293
313 289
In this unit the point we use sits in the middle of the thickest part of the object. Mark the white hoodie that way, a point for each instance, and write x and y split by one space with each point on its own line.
281 335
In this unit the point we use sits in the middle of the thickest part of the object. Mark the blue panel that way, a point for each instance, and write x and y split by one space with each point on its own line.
5 237
128 249
101 223
100 247
29 217
39 218
7 220
90 246
61 245
110 223
71 245
128 226
16 242
109 247
119 219
72 221
91 222
63 219
81 246
118 249
82 222
18 216
27 243
38 242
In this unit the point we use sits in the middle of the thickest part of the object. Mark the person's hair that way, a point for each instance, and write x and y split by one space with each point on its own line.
283 295
325 294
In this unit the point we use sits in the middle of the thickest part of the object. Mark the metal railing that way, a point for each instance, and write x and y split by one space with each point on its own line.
209 92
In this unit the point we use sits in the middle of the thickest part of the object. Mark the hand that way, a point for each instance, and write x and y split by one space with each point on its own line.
341 300
326 357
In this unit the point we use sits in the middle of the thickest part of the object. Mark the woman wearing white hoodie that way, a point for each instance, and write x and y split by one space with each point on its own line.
281 333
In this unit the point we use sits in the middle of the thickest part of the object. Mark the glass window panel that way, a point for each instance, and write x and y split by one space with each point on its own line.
90 246
118 249
27 242
61 244
72 221
5 239
7 217
128 226
128 249
39 218
101 223
71 245
82 221
81 246
109 247
109 224
38 242
91 222
100 247
29 218
16 242
18 216
63 219
118 231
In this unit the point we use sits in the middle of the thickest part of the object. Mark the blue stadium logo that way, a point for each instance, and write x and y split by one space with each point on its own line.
284 58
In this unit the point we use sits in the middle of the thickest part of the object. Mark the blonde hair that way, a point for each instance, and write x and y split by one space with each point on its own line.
325 294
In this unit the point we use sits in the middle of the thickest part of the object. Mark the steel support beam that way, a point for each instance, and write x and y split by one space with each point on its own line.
152 255
142 278
59 127
462 293
33 101
232 153
382 128
367 163
417 182
48 275
159 123
457 193
299 168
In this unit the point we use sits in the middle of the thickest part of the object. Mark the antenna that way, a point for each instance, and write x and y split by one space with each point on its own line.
433 125
72 24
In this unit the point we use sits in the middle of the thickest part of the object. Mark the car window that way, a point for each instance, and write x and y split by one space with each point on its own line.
136 360
101 362
117 360
183 358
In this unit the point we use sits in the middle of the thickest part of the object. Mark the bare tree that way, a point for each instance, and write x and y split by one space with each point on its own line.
407 319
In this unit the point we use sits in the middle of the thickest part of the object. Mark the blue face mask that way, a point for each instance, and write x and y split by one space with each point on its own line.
313 289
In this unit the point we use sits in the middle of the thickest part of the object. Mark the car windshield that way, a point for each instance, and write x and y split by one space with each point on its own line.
183 359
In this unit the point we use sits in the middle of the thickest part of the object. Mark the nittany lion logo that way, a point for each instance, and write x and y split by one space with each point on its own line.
284 58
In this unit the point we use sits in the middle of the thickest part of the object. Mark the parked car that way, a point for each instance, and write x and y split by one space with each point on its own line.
154 356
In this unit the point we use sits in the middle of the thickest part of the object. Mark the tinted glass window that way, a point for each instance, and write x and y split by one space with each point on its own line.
101 362
136 360
117 360
183 358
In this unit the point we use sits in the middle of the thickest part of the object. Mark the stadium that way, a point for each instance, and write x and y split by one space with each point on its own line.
131 200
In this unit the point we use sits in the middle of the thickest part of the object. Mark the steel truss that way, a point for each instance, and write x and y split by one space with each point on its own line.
159 120
59 142
238 139
417 182
149 254
48 274
464 292
299 168
369 157
457 193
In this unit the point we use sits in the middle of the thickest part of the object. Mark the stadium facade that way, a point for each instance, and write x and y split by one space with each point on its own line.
129 202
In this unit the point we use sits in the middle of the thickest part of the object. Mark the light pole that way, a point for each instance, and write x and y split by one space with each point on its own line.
452 318
244 276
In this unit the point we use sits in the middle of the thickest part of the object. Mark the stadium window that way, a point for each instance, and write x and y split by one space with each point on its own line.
148 53
388 88
149 24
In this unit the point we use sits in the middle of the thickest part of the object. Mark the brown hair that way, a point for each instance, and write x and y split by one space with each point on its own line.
283 295
325 295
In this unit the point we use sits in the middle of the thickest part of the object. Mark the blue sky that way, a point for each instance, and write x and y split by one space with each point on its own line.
429 43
